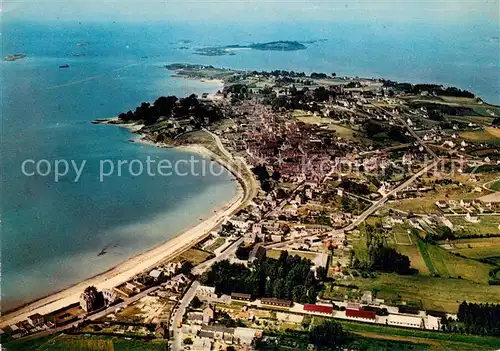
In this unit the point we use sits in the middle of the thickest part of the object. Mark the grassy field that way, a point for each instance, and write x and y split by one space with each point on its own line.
449 265
487 134
416 259
476 247
436 341
479 120
422 246
487 225
216 244
84 343
341 131
195 256
303 254
400 234
432 293
495 186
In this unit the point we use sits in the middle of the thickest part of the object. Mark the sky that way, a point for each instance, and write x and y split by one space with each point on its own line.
426 11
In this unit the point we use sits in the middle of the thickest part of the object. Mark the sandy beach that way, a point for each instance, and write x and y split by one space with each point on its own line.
142 262
128 269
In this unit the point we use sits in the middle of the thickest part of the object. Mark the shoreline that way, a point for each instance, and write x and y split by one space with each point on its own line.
127 269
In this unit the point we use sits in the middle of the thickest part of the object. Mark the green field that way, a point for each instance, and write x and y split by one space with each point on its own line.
216 244
449 265
340 131
431 293
415 256
476 247
439 341
195 256
63 342
488 134
486 225
479 120
303 254
422 246
495 186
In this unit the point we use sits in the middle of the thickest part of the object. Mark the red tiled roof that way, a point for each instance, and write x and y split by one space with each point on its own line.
360 314
318 308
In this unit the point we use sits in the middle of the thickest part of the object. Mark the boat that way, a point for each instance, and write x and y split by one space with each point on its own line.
64 66
103 252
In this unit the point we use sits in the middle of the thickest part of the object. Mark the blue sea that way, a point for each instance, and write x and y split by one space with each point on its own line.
52 232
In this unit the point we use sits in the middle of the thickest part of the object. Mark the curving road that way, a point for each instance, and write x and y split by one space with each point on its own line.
176 320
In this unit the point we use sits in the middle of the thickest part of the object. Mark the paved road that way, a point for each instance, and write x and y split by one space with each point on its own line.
412 132
176 342
358 197
485 185
219 143
203 267
285 200
378 204
238 164
94 316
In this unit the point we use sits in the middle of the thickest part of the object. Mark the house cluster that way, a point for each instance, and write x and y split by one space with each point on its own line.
34 323
205 332
473 208
296 150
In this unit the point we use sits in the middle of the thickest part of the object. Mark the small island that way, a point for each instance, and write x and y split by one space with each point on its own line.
281 45
14 57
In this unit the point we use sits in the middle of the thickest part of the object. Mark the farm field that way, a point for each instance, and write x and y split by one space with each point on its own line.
427 204
63 342
476 247
485 135
449 265
435 341
341 131
422 247
400 234
431 293
487 225
480 120
415 256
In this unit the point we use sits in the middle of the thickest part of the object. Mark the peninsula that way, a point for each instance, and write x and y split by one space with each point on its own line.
370 209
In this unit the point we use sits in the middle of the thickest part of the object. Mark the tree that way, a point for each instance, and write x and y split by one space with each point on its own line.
280 289
196 302
327 336
321 273
188 341
186 268
299 293
346 204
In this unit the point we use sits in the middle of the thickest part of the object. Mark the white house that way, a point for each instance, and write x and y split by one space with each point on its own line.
405 321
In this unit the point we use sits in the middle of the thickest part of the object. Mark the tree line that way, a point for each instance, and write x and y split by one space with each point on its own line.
289 277
479 318
436 89
173 107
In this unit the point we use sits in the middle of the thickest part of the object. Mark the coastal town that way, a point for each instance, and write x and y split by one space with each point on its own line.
369 212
